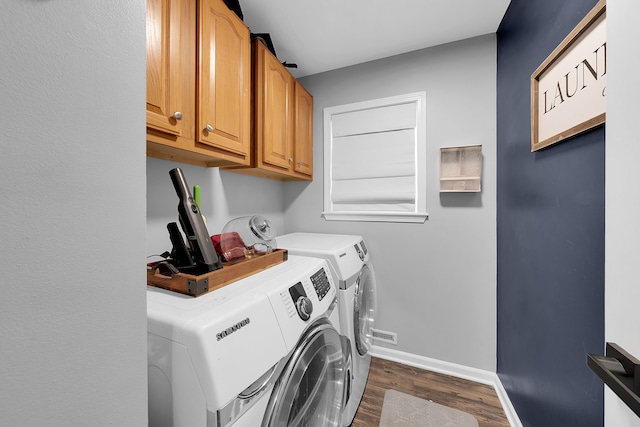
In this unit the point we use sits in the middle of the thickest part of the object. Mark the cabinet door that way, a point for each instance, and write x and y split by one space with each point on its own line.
275 111
303 141
171 66
224 80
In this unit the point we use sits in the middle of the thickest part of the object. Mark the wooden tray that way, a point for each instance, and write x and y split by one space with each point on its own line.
189 284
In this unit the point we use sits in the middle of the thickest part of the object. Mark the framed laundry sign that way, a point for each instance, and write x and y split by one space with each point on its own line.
568 90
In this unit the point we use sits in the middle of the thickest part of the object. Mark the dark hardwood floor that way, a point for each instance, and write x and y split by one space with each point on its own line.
479 400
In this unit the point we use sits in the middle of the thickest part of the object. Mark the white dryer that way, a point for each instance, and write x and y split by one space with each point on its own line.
263 351
348 258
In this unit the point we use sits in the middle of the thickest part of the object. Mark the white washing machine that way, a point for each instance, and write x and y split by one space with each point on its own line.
348 258
263 351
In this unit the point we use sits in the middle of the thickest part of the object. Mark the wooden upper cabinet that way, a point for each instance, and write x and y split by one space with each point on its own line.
303 125
282 114
224 81
274 100
198 83
171 66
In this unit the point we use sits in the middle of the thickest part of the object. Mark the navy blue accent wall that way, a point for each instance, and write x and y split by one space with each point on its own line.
550 236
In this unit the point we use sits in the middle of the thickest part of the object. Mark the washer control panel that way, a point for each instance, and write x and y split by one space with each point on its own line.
303 304
321 283
311 294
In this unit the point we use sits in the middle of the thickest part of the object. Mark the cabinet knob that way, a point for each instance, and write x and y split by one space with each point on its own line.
290 159
299 163
208 128
177 115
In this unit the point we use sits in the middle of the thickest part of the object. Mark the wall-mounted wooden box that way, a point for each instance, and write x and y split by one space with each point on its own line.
460 169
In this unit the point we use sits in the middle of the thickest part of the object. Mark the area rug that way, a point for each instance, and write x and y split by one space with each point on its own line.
403 410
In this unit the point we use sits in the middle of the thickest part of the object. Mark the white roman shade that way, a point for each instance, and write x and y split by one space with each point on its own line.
374 160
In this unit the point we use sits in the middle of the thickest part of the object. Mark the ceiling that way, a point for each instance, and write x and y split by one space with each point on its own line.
324 35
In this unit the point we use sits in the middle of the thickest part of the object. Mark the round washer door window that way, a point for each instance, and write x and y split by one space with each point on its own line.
364 309
310 390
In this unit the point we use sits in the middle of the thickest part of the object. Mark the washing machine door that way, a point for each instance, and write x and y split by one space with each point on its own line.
364 309
310 389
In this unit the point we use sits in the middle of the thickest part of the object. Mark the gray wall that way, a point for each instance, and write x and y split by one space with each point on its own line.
224 196
437 280
622 223
72 185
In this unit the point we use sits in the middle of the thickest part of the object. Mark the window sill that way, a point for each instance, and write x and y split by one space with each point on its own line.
376 216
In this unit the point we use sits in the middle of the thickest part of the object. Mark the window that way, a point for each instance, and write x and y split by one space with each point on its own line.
374 160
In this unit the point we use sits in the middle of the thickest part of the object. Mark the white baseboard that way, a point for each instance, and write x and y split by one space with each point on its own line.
509 410
459 371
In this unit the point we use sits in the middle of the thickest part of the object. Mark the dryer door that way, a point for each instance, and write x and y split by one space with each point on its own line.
364 309
310 390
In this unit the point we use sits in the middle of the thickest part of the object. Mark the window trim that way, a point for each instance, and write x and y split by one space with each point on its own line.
419 215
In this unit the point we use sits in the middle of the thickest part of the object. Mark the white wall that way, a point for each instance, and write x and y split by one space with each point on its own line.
72 183
224 196
437 280
622 240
